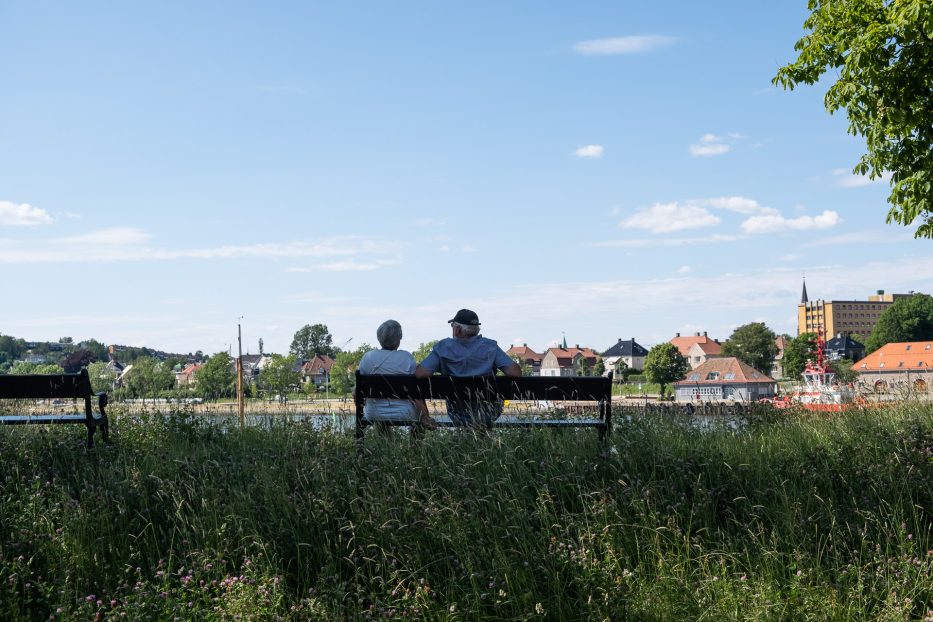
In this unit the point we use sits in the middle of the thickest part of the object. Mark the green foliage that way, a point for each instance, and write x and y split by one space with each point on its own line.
797 352
345 365
311 340
217 378
521 362
279 376
24 368
844 372
11 349
99 349
102 377
600 367
148 378
752 344
665 364
581 367
423 351
880 53
908 319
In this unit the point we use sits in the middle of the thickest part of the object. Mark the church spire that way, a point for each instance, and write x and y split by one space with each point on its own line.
803 296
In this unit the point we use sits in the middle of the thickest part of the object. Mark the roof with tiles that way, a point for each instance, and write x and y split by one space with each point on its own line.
565 356
728 370
189 370
899 357
525 353
626 348
709 348
319 364
686 342
843 342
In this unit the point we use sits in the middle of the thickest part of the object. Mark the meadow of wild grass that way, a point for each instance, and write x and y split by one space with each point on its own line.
791 518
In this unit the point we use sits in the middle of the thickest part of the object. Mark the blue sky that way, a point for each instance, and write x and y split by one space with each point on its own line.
602 170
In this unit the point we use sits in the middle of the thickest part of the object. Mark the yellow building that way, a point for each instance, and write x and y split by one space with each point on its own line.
842 316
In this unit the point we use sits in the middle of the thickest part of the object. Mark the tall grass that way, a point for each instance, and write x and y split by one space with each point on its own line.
787 519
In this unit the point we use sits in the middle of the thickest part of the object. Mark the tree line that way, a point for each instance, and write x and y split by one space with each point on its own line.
907 319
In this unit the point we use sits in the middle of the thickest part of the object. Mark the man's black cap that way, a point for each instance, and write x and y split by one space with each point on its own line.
465 317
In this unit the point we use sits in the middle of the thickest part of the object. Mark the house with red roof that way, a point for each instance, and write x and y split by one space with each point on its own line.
898 369
697 348
568 361
527 356
316 370
186 377
725 378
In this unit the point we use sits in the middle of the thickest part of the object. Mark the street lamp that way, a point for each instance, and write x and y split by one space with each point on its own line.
239 370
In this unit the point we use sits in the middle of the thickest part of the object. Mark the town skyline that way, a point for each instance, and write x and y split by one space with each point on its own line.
606 172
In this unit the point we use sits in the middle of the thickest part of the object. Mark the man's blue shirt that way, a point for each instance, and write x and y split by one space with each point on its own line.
470 356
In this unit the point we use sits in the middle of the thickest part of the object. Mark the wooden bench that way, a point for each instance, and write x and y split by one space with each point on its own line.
56 386
492 389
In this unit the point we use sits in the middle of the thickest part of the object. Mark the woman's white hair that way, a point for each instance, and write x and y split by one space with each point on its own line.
389 334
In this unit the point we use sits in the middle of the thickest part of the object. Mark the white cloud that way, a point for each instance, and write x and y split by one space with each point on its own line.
665 242
634 44
790 257
684 270
129 244
667 217
846 179
776 223
349 265
22 214
709 145
589 151
741 205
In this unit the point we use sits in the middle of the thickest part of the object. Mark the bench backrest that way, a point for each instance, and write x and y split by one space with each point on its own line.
61 386
483 388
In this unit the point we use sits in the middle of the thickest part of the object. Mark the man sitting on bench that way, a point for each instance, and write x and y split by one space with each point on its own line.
467 353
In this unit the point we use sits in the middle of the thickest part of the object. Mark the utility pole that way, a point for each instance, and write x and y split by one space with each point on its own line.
239 371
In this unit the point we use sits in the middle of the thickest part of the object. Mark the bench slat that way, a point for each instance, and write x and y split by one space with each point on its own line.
566 388
40 419
514 423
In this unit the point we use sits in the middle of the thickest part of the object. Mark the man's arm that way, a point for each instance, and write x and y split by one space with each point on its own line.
429 365
513 371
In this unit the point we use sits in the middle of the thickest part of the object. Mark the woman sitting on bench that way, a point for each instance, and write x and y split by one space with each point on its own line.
391 360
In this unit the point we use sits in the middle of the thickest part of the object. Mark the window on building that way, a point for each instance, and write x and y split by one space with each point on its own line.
713 375
694 377
730 376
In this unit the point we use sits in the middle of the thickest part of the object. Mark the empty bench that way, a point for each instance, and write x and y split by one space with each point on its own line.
56 386
492 389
